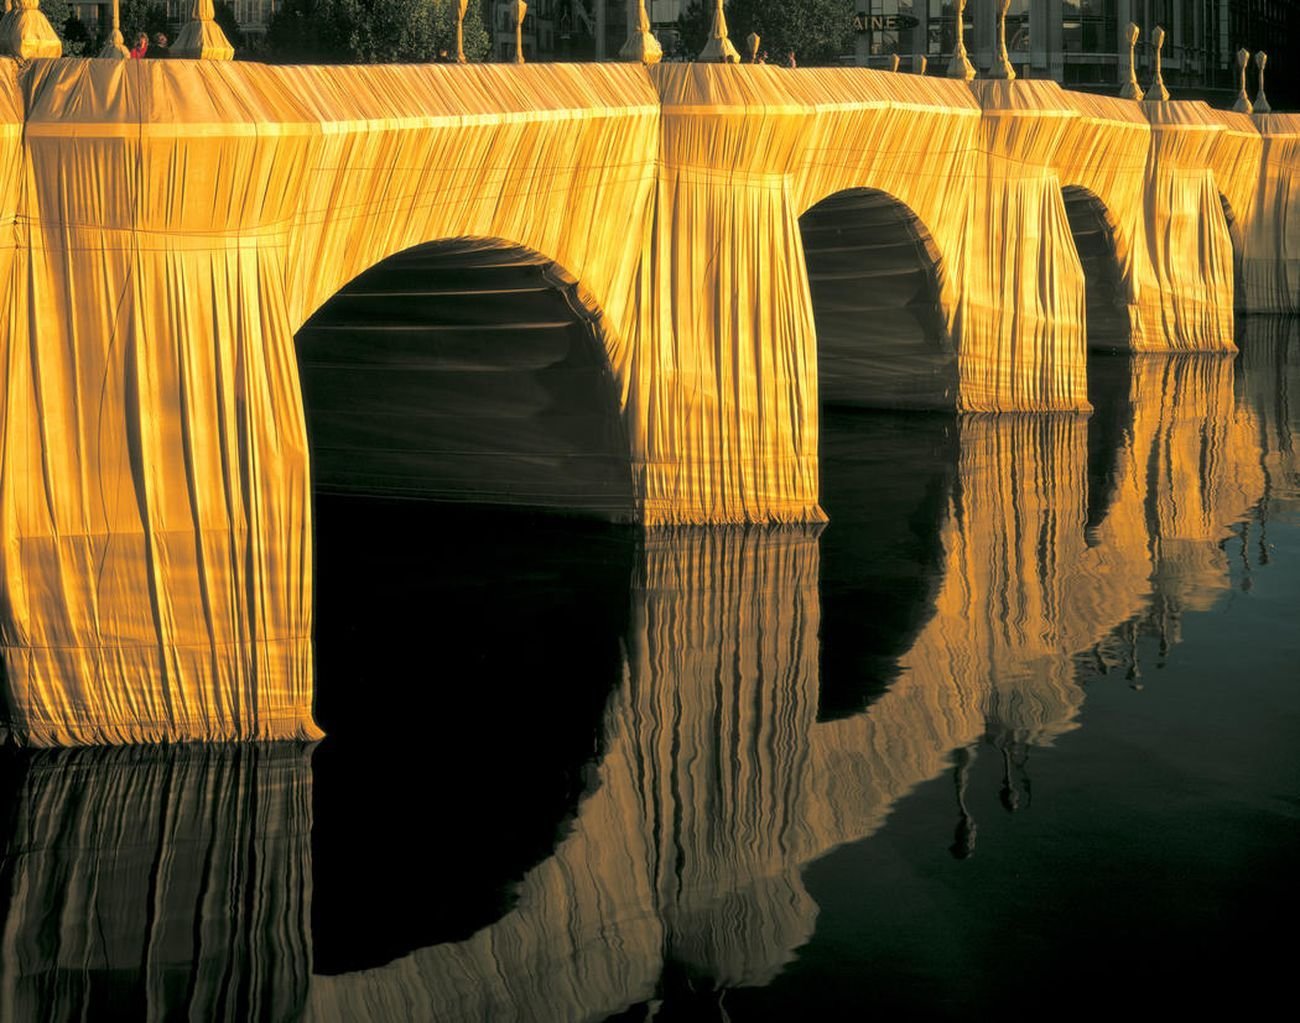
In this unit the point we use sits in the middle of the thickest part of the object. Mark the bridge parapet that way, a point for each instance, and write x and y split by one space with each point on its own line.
175 223
1105 156
1271 266
179 220
1022 337
746 150
1185 214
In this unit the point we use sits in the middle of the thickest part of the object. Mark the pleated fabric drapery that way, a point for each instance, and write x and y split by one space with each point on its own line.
1271 263
174 224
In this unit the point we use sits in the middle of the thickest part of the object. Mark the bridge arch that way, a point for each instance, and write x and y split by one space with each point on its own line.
875 278
470 370
1235 233
1106 294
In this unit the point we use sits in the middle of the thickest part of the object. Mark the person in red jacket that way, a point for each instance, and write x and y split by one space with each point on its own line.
141 46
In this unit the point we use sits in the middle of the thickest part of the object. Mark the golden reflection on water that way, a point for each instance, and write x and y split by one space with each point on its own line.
183 877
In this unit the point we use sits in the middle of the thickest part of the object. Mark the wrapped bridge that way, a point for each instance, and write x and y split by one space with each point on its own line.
608 289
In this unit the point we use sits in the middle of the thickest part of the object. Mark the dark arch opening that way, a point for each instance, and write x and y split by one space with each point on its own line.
1238 275
873 271
470 371
1106 303
473 373
887 372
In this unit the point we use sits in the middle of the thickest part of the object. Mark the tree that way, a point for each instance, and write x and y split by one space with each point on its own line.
136 16
373 31
68 28
818 31
224 15
477 43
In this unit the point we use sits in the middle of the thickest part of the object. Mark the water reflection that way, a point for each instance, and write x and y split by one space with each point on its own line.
176 882
156 884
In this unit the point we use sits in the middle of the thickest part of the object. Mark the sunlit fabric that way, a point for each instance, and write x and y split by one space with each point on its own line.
1271 264
157 884
175 224
1191 250
719 785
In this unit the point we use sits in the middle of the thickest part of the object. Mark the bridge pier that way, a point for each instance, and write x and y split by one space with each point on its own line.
157 507
1271 266
1022 324
173 226
1185 215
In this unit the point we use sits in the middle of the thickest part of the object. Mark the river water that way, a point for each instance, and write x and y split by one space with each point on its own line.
1016 732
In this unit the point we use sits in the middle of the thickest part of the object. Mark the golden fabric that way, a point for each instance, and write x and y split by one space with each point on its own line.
719 784
1271 261
176 222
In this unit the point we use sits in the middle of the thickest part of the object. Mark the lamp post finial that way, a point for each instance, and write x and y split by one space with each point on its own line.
1242 106
1132 90
960 65
718 50
1002 62
1157 93
202 38
1261 101
641 45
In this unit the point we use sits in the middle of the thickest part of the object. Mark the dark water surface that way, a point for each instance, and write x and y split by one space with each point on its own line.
1015 734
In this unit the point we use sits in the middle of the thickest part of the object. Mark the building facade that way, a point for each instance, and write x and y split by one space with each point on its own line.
253 15
578 29
1081 43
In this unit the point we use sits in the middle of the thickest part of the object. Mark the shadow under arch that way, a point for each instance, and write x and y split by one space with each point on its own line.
1238 247
469 370
873 273
472 372
883 345
1105 297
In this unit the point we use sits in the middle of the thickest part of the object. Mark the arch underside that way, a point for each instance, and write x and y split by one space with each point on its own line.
1238 271
1106 301
873 274
467 371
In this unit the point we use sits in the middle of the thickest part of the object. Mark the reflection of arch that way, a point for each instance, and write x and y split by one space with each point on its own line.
470 370
505 609
1238 275
1106 300
873 272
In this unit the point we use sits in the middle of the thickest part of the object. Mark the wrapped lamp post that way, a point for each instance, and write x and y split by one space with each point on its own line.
1132 90
202 38
1002 68
26 33
641 44
115 48
1261 101
1242 106
960 65
718 50
1158 93
521 12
